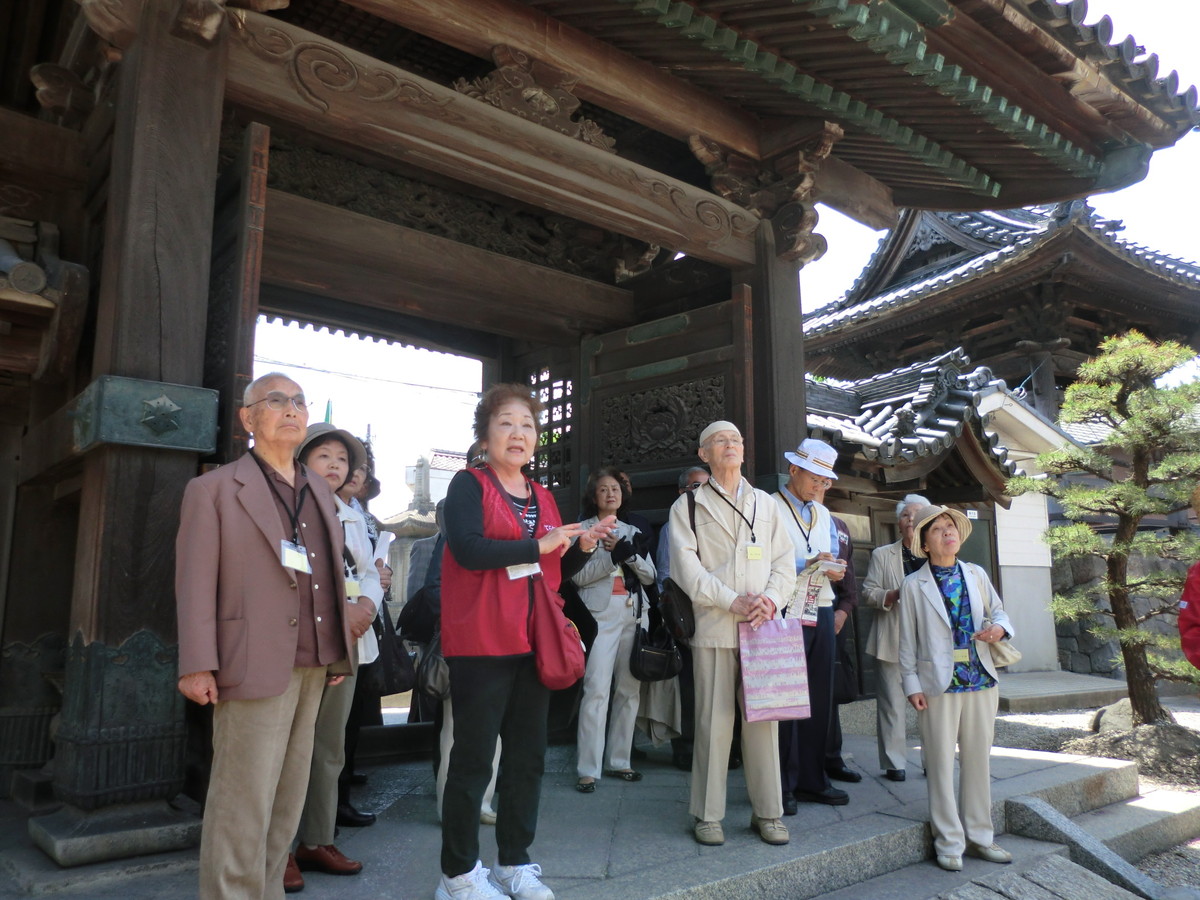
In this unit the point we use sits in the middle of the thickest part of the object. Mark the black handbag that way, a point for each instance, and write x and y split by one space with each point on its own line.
433 674
655 656
845 678
393 672
674 605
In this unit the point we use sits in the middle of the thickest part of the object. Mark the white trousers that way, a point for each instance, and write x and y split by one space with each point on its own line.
891 706
608 676
968 719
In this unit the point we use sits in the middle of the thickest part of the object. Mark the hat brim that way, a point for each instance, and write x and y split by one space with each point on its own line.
318 434
806 465
928 514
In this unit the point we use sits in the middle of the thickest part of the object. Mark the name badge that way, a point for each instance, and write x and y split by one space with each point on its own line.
353 588
962 655
525 570
293 556
754 552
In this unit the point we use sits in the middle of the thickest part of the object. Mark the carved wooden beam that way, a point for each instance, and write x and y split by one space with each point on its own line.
607 76
291 75
37 159
778 189
331 252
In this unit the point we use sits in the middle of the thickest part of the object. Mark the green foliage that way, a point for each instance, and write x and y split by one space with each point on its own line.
1147 464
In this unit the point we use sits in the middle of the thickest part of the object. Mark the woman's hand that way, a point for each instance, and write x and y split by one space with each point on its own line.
918 701
599 533
560 538
990 635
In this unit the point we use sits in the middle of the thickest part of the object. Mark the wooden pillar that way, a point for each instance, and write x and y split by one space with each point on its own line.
121 738
778 364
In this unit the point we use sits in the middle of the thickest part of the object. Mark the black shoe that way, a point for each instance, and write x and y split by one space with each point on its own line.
830 797
844 774
735 762
682 761
894 775
789 805
359 778
350 817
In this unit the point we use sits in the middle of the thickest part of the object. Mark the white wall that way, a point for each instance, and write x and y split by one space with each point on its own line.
1024 562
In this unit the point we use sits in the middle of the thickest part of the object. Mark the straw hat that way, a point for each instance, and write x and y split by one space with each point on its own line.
927 514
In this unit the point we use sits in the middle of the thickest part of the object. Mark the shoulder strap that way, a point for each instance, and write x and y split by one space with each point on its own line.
521 526
691 502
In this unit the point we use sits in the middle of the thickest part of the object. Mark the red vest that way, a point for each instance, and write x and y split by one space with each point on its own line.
483 612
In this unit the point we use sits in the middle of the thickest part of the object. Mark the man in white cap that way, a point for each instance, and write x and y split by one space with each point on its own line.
731 554
814 537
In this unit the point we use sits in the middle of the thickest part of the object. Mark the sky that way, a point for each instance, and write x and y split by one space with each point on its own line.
414 401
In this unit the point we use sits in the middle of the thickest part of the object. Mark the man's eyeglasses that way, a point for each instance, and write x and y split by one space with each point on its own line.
278 400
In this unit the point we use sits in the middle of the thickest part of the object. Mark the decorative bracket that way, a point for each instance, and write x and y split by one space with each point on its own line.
537 92
778 189
139 413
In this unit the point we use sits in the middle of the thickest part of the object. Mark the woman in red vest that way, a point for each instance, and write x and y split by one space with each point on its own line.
501 529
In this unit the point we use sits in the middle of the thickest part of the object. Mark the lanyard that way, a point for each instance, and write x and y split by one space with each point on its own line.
753 514
294 517
522 520
799 524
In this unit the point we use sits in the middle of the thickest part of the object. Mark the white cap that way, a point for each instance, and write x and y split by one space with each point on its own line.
712 429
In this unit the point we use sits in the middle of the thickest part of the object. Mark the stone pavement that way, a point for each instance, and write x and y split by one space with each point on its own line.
624 842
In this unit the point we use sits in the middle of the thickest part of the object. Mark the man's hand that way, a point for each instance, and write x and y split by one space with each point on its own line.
754 608
890 599
199 687
835 577
918 701
359 616
839 619
334 680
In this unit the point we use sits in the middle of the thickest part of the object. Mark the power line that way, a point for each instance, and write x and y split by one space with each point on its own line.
474 395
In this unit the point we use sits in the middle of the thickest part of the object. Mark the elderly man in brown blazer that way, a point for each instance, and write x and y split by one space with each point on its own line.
263 624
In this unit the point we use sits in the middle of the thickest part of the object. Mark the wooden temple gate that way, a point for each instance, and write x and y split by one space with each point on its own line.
423 170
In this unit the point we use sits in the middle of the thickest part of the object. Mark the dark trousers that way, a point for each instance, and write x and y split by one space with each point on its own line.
833 746
802 743
494 696
682 745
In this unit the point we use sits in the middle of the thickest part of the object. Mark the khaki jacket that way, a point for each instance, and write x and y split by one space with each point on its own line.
885 573
711 563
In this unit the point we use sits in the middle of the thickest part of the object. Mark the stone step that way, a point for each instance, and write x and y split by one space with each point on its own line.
1039 870
1157 820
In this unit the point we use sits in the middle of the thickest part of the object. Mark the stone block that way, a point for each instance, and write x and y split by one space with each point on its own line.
72 837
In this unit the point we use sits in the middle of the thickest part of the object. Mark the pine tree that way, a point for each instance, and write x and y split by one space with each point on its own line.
1146 466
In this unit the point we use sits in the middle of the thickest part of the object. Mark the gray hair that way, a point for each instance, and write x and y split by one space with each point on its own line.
909 500
685 477
252 387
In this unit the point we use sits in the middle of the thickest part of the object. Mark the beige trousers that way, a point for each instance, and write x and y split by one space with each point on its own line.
717 673
890 708
968 718
319 818
261 754
607 675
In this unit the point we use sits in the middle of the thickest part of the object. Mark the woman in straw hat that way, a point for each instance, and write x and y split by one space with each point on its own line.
950 616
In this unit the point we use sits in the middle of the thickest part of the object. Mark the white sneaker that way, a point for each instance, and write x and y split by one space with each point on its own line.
473 885
521 882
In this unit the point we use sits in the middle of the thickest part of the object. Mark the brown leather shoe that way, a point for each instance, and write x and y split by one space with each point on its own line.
328 859
293 881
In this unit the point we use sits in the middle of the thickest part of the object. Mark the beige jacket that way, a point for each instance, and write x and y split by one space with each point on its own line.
885 573
711 563
926 642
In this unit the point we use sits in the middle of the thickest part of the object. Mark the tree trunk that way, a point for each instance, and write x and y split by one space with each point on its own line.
1143 696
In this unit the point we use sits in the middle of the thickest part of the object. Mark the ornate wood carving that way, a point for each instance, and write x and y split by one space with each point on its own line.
660 423
543 238
117 21
778 189
538 93
17 200
350 97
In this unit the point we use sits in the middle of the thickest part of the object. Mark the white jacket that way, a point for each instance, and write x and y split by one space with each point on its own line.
926 641
711 563
358 542
885 573
595 579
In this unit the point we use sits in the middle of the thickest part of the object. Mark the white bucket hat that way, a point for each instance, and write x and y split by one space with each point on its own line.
814 456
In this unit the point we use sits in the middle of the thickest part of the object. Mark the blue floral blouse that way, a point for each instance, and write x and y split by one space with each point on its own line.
969 675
